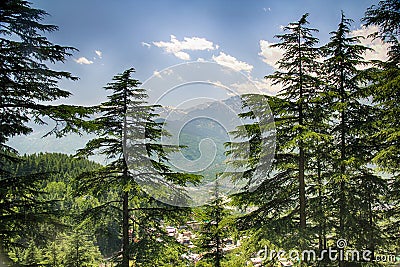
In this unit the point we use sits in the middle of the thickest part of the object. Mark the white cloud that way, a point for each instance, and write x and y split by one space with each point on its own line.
99 53
230 61
146 44
266 86
177 47
182 55
83 60
245 88
168 71
256 86
157 74
164 72
379 48
270 55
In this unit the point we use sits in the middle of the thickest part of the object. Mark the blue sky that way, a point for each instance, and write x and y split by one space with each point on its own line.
153 35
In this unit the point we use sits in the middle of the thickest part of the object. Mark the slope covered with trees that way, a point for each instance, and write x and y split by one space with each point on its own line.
65 240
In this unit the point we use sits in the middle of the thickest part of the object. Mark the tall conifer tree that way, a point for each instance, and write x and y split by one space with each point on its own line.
385 91
281 200
297 73
355 186
123 119
26 83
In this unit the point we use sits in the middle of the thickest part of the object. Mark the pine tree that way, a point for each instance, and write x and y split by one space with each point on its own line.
26 82
319 169
80 251
282 198
386 15
42 238
32 255
298 77
127 118
214 229
25 77
385 90
53 254
386 80
354 186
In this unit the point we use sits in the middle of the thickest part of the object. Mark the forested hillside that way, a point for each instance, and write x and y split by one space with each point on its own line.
54 242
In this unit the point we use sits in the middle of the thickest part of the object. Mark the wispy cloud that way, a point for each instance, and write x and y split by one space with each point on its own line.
270 55
164 72
230 61
83 60
157 74
177 47
256 86
146 44
99 53
379 48
267 87
182 55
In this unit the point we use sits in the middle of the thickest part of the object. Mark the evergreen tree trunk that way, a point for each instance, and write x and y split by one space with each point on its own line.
342 204
371 223
77 253
125 231
125 200
218 241
322 223
302 190
302 186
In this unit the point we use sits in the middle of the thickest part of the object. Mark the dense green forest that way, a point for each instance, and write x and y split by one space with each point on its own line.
55 242
334 181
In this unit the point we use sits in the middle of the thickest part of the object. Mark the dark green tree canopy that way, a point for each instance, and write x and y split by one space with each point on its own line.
26 83
129 137
385 15
25 78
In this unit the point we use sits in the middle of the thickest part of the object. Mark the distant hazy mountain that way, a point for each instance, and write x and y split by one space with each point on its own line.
207 121
203 129
36 142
